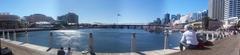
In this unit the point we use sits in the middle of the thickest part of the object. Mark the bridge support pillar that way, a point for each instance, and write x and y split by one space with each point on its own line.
3 35
8 36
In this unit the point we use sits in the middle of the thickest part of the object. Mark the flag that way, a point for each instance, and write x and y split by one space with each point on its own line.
118 14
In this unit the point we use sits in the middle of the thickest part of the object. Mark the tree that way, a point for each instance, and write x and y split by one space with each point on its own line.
238 24
205 23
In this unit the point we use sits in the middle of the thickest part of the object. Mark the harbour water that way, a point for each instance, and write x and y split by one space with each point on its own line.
105 40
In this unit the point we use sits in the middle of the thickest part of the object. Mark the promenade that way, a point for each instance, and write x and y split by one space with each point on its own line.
226 46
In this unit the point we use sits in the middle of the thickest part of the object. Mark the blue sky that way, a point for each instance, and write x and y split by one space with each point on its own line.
104 11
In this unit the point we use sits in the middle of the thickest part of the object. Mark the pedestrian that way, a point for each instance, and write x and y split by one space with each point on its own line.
189 39
61 51
69 51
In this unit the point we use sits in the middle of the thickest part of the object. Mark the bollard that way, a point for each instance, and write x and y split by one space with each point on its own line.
224 36
218 36
165 39
50 39
221 35
14 36
213 36
133 43
8 36
3 34
26 37
207 37
90 43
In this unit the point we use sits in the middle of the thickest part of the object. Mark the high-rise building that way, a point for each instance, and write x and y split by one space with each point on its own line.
232 8
166 18
178 16
204 13
216 9
173 17
68 19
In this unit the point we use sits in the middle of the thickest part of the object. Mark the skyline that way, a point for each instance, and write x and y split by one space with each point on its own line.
90 11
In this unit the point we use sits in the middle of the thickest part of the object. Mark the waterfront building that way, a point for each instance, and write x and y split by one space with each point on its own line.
216 9
8 21
231 8
178 16
173 17
156 22
204 13
68 19
34 19
230 23
166 18
43 24
38 18
196 16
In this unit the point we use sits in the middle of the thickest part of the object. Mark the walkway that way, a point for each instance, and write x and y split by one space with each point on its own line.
226 46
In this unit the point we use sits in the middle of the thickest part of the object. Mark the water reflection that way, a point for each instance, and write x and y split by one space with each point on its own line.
105 40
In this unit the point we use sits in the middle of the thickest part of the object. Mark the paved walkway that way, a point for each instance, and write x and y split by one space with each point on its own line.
226 46
18 48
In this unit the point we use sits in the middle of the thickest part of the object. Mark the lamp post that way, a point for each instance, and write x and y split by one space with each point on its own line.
26 37
50 39
90 43
166 34
133 43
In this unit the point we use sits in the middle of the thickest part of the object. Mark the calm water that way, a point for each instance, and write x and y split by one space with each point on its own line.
105 40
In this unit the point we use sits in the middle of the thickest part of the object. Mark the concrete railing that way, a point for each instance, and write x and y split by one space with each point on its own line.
214 35
210 35
6 35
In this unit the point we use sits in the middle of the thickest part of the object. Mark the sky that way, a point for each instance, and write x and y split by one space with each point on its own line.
104 11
